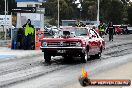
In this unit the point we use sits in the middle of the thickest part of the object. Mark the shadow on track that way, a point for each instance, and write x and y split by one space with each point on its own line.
68 61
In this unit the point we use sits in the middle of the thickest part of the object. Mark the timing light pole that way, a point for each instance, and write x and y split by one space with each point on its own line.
58 13
5 19
98 14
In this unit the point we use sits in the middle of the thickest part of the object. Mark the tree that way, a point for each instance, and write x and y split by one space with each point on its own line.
2 6
104 9
111 10
67 9
115 12
125 1
11 4
89 9
130 14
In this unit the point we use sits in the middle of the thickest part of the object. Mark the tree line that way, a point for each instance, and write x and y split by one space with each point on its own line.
117 11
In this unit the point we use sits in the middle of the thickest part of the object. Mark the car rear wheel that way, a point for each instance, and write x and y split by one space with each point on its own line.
99 54
84 57
47 57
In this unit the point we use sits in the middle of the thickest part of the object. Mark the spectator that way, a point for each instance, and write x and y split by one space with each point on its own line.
101 28
111 29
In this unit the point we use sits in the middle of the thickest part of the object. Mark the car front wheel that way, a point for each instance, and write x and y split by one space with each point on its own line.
84 57
47 57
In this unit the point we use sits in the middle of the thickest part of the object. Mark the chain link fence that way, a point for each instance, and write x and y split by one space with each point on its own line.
3 42
2 34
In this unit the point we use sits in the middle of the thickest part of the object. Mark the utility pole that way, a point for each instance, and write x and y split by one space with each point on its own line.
7 7
80 12
98 14
58 13
5 19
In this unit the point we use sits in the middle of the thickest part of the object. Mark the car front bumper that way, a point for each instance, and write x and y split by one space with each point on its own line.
63 50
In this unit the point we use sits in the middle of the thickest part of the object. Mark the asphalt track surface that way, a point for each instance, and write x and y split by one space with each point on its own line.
34 73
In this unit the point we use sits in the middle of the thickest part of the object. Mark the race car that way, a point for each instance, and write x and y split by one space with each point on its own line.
73 42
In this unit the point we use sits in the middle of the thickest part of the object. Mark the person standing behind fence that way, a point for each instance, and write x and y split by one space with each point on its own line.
29 32
111 30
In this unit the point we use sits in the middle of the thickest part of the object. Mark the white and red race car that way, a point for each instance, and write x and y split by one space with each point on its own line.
73 41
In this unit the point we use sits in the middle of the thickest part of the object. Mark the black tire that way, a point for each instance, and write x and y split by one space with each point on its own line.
99 54
47 57
96 56
84 57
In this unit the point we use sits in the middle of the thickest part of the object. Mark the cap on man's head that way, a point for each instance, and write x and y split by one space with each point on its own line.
29 21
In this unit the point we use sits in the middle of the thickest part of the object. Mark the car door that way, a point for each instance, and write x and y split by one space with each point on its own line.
94 42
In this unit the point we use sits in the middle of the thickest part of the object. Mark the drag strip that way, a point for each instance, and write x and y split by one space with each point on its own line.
71 74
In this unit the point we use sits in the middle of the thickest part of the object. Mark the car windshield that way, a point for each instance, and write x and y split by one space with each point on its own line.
76 31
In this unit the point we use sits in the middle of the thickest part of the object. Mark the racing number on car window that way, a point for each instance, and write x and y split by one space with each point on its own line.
93 34
94 42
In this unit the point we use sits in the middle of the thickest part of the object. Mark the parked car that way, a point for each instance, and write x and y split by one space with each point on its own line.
51 29
129 30
73 41
54 29
118 30
47 28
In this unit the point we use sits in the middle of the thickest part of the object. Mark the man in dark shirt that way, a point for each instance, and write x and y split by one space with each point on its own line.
111 29
20 38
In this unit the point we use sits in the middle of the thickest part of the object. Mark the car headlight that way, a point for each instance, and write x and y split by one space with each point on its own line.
78 44
44 44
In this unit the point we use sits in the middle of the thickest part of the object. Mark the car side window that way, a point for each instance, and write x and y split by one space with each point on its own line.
93 34
96 33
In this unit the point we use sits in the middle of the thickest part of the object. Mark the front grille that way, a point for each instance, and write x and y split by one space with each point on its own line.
59 44
72 43
53 43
